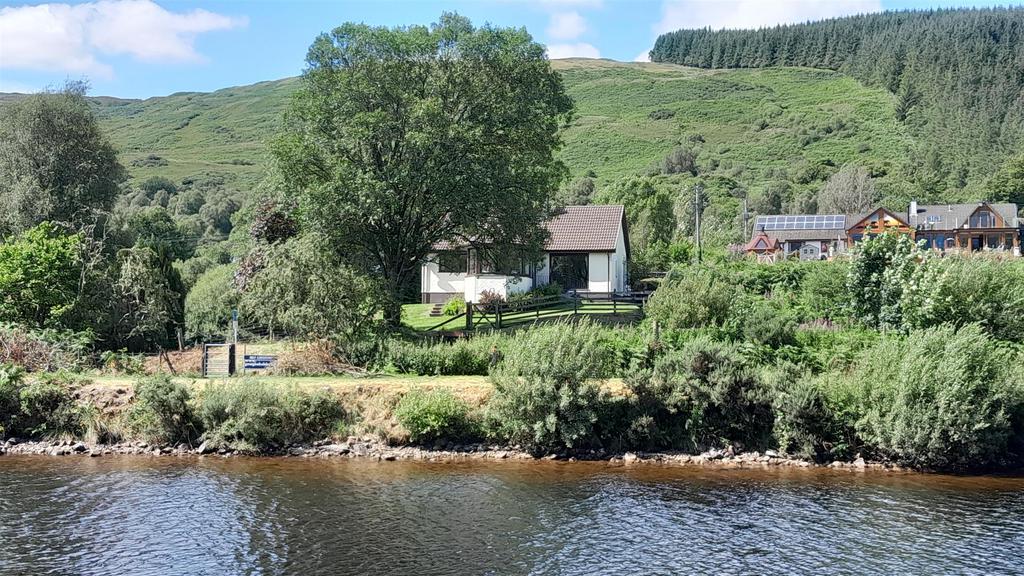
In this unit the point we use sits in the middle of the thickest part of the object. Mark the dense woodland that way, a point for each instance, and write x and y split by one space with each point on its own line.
957 76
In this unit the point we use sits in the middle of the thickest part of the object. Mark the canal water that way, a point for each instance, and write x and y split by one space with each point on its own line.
139 516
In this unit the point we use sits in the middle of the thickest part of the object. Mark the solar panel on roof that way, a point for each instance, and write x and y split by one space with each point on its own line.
801 222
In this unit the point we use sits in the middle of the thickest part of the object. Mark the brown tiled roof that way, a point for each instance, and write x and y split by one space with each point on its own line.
591 228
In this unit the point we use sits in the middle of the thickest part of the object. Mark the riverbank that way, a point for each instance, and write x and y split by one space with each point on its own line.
371 449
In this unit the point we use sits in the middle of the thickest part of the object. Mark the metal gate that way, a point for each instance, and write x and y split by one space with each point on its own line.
218 360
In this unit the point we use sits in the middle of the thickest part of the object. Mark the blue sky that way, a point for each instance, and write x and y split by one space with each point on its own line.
143 48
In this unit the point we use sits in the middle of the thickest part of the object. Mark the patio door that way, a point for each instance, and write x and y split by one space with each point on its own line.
570 270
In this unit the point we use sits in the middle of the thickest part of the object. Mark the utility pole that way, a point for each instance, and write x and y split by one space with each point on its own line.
746 219
698 208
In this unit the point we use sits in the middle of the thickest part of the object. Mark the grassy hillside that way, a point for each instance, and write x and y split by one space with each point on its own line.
753 122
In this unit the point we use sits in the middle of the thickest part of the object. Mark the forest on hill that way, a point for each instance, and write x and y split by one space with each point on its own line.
957 77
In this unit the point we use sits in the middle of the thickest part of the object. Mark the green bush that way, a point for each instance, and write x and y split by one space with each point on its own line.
822 292
462 357
960 291
254 416
546 392
11 379
699 396
454 306
48 409
939 398
765 325
162 412
693 298
434 415
806 424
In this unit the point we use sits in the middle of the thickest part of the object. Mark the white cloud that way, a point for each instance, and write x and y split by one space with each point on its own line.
70 38
716 14
566 25
644 56
577 50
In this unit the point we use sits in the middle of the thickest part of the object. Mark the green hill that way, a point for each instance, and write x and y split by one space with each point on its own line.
756 125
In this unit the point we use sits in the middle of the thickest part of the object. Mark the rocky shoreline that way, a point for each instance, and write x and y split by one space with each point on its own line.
373 449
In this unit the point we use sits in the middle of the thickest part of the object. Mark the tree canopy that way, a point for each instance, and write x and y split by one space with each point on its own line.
55 164
400 138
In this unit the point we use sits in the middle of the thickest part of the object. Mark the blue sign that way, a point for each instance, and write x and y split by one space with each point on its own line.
258 361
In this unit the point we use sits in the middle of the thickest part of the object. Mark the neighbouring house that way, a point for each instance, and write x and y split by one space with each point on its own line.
812 236
764 247
818 236
967 227
587 251
875 222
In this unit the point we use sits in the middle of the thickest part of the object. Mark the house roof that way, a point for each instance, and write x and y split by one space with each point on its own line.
762 242
954 216
590 228
859 219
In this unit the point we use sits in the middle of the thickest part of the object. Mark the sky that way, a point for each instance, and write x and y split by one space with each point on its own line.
144 48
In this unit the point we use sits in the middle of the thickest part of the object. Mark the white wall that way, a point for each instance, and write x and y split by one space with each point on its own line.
434 282
504 285
599 264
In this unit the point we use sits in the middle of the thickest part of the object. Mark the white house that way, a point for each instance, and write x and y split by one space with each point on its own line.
587 252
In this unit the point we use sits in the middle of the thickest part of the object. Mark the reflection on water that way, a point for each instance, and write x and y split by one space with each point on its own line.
291 516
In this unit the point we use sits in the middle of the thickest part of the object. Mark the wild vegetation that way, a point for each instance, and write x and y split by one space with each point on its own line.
892 354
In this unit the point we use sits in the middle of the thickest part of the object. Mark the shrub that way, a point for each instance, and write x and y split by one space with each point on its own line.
253 416
464 357
880 269
43 350
823 292
960 291
433 415
454 306
693 298
940 398
162 412
765 325
805 424
11 379
546 397
122 362
491 299
700 396
48 409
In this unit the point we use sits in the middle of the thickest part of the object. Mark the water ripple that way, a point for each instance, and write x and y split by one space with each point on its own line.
145 516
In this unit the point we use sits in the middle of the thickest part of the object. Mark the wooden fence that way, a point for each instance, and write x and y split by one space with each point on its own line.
507 314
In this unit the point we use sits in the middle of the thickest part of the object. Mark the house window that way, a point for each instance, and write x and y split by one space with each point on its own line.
491 263
452 262
982 219
571 271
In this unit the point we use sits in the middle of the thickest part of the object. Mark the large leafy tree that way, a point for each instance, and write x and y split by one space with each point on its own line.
55 164
40 272
403 137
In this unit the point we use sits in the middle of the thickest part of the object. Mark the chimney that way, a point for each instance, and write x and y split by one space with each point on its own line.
913 212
